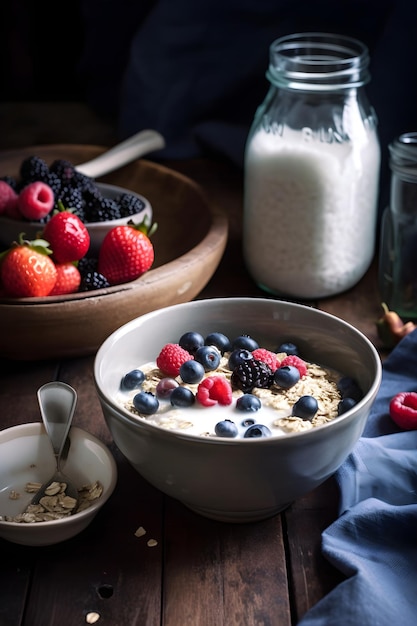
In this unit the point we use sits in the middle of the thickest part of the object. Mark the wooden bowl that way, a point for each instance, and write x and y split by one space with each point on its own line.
189 244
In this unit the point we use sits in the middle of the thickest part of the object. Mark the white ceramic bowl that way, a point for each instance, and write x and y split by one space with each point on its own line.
10 229
26 455
237 480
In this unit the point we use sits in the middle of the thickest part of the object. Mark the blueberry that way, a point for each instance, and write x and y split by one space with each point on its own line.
286 376
349 388
226 428
209 357
146 402
192 372
237 356
132 380
288 348
164 388
191 341
182 397
345 405
246 342
248 402
249 421
306 407
257 431
220 341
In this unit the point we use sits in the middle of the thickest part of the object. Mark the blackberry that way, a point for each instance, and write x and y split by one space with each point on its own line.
84 183
72 199
250 374
87 264
64 170
55 184
93 280
130 204
102 209
33 168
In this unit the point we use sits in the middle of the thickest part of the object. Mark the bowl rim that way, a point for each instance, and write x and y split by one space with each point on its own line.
37 428
125 416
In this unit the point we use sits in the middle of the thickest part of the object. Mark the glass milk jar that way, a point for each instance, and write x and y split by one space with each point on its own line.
312 162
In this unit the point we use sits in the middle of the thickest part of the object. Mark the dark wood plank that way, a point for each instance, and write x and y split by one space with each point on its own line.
223 574
312 576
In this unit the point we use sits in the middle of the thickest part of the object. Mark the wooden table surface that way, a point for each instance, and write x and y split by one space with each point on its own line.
201 572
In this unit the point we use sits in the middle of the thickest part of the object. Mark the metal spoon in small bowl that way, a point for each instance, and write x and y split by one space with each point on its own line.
57 403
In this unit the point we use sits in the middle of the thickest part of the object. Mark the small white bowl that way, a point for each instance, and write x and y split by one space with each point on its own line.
26 455
10 229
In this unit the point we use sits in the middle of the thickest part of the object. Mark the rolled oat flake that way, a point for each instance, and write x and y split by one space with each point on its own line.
312 161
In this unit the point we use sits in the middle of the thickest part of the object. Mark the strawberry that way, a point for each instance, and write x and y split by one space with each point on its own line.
36 200
403 410
126 253
8 198
68 279
171 357
27 270
214 390
67 236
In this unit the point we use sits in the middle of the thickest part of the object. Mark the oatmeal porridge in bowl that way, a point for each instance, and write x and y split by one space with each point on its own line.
236 406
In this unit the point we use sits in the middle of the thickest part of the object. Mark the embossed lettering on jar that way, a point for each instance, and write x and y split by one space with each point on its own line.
312 163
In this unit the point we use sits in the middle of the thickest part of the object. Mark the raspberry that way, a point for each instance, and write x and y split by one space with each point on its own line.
250 374
171 357
295 361
214 390
36 200
8 198
268 357
403 410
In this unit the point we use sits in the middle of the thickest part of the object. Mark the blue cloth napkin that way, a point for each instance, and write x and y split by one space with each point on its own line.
374 540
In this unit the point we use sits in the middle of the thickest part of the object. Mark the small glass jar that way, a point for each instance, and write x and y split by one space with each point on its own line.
398 248
312 165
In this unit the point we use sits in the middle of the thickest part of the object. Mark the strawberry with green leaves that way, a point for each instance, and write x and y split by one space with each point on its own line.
126 253
27 269
67 235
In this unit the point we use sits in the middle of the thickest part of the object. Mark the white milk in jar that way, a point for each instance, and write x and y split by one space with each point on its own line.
312 171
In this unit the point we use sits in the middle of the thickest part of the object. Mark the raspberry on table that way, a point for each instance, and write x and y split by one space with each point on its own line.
171 357
403 410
